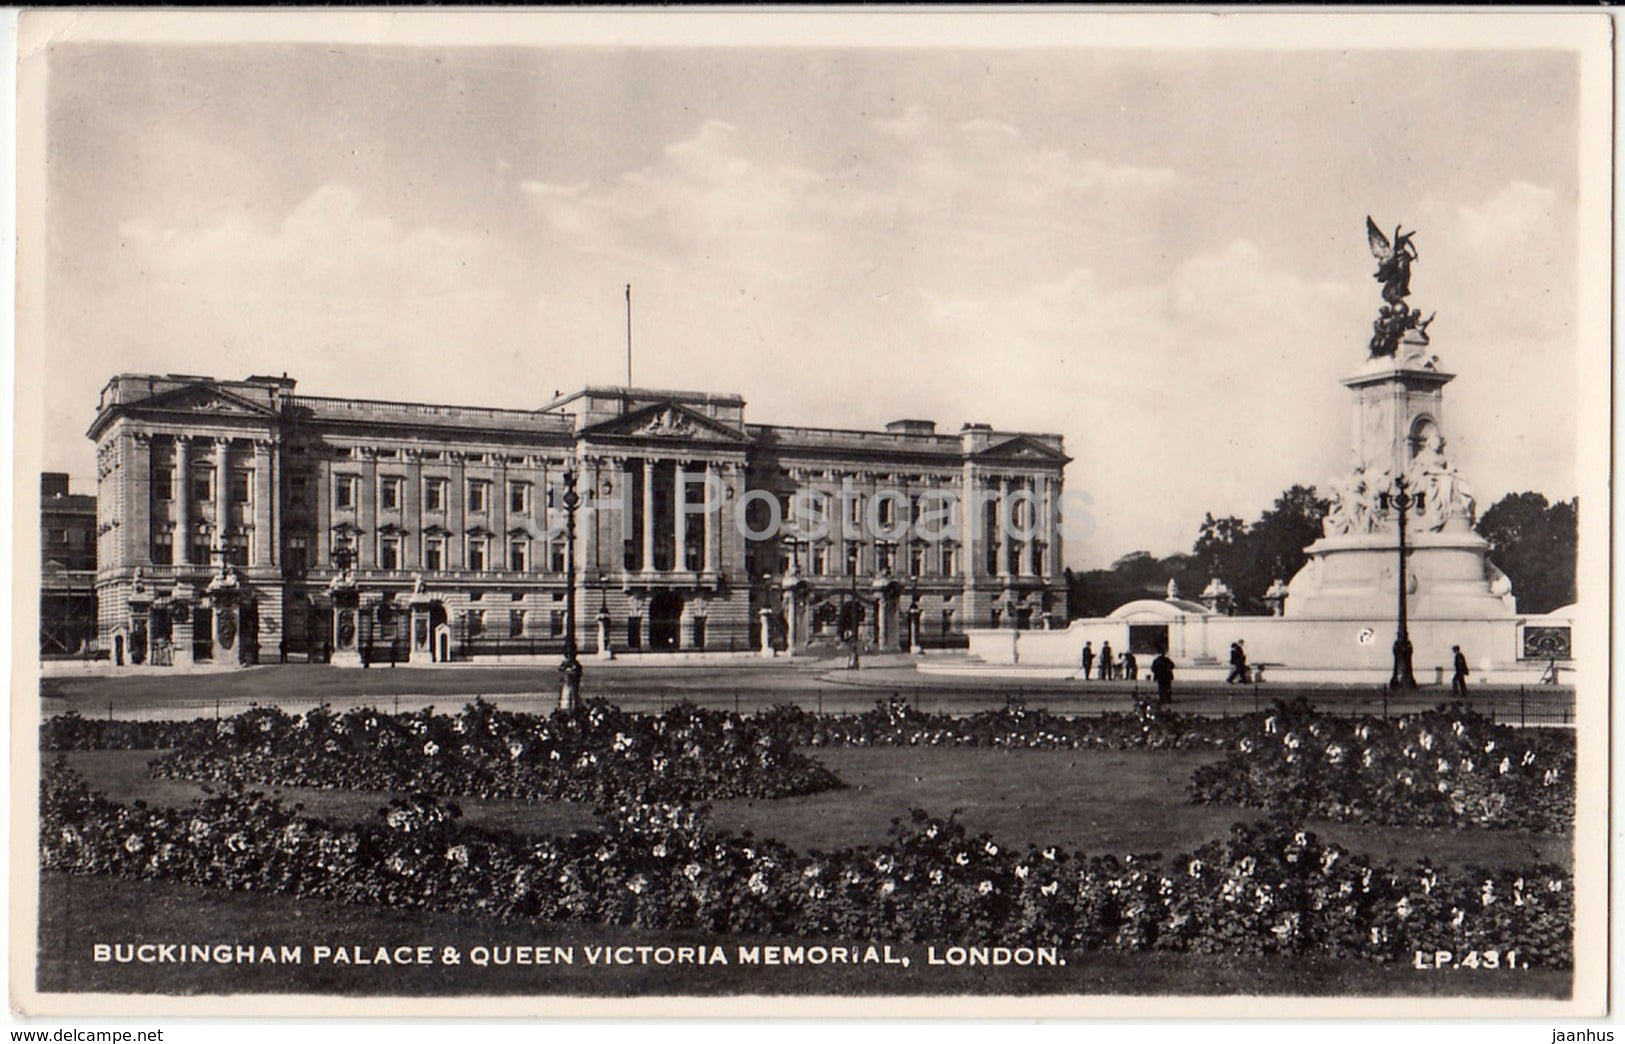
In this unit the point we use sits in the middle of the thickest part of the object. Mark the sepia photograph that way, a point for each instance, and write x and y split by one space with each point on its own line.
811 514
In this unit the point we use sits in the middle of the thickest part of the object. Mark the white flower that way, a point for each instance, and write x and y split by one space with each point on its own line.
691 871
991 849
1460 916
1403 908
936 877
888 887
1365 758
816 891
1528 757
1021 872
133 844
1051 888
1425 739
1504 766
1195 868
457 854
659 851
985 887
431 748
1334 754
930 831
1049 853
962 859
756 884
637 885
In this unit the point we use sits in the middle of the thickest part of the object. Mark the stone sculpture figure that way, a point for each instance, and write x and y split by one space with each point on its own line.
1395 318
1353 506
1444 493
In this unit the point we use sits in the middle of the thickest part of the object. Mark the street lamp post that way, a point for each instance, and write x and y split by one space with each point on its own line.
1402 502
570 667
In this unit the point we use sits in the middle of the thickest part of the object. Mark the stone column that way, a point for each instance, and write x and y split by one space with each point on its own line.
1030 557
263 538
648 515
1002 535
222 489
183 505
1051 529
712 521
679 499
366 514
412 517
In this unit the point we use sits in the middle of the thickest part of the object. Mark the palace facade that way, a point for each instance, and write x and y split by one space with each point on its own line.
238 521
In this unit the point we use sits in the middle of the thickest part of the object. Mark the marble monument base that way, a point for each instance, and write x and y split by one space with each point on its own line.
1450 577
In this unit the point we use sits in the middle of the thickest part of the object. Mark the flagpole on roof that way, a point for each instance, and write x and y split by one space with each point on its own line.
629 335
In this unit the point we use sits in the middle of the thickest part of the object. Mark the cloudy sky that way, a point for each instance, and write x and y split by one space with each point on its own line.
1158 253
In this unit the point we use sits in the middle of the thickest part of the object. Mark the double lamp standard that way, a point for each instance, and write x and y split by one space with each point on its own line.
1402 502
570 667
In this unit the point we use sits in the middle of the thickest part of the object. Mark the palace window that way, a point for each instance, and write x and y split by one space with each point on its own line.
296 554
476 553
434 494
916 560
555 556
516 623
163 549
947 560
886 509
389 552
476 622
854 557
555 622
820 560
241 483
519 554
856 512
434 553
162 480
478 492
389 493
345 491
237 549
203 484
202 549
519 498
885 556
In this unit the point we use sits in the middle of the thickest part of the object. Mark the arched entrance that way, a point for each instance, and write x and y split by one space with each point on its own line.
665 619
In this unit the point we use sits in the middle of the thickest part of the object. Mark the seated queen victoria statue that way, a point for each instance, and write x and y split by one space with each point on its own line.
1445 495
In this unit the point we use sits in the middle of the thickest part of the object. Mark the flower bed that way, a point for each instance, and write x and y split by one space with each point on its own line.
1448 767
1266 889
894 723
596 753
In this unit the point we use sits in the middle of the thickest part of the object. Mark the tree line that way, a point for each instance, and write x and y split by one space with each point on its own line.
1533 541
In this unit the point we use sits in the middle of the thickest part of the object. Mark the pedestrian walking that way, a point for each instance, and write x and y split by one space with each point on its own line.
1088 659
1131 667
1458 681
1238 664
1105 661
1162 669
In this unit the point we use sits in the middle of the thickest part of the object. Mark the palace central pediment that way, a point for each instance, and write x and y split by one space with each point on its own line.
1021 448
667 422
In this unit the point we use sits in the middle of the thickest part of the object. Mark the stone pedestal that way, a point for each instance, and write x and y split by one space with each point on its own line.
1449 576
421 647
346 631
766 625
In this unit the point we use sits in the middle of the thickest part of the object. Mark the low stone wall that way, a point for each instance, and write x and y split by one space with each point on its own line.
1493 647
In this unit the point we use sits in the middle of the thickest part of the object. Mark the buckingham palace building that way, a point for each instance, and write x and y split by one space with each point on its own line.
240 522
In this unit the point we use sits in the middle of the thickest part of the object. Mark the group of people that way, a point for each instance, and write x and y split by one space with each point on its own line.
1110 668
1107 667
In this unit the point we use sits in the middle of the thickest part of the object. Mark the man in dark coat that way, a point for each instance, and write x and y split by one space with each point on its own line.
1105 660
1238 664
1162 669
1131 667
1088 659
1458 681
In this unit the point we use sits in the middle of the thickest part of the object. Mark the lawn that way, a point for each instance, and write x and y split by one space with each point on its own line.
1094 802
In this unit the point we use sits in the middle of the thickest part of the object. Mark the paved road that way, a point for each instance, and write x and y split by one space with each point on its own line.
746 685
